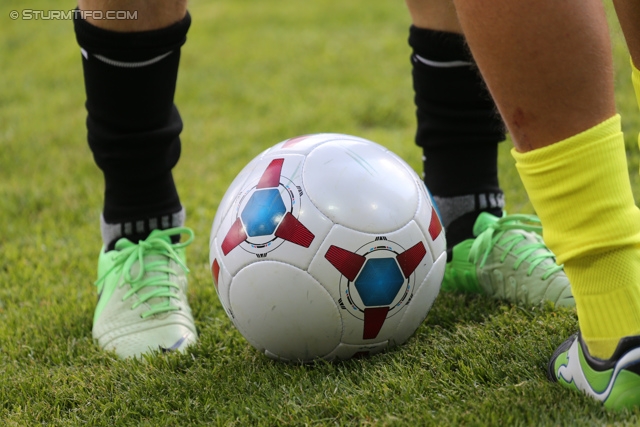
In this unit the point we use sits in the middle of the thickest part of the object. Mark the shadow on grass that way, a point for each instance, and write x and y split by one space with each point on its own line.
453 309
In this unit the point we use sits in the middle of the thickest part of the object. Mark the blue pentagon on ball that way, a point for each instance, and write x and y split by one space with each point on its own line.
263 212
379 281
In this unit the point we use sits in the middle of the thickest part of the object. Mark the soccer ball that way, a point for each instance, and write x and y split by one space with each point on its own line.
326 246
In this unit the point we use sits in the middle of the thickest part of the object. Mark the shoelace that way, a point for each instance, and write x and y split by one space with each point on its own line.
158 243
535 252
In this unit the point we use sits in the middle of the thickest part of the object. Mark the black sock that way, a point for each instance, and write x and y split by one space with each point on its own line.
458 129
133 125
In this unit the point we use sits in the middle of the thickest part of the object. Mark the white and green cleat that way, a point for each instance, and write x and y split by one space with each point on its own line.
508 260
615 382
142 303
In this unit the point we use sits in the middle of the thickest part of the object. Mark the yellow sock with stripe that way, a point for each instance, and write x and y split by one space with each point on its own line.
581 191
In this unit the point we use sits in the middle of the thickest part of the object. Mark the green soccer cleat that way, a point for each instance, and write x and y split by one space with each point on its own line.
614 382
142 303
509 261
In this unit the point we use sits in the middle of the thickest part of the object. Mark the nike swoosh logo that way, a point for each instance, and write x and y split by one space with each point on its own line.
175 346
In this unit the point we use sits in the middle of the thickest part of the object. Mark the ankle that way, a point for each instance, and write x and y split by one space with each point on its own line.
139 229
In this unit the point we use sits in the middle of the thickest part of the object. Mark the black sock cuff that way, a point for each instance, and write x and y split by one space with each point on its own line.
461 228
131 46
458 171
439 45
139 229
459 213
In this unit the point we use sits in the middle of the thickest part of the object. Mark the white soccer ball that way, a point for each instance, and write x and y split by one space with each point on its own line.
327 246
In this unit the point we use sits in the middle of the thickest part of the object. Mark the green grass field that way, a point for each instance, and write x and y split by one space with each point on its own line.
253 73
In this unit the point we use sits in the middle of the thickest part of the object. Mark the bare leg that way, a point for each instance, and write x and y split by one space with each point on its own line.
434 14
151 14
547 64
629 17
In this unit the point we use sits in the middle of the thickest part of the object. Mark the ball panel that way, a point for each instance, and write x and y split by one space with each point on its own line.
341 265
230 195
429 222
304 144
282 309
256 227
421 303
357 184
221 278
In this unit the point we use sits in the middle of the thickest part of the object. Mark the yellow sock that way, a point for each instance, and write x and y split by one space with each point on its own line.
581 191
